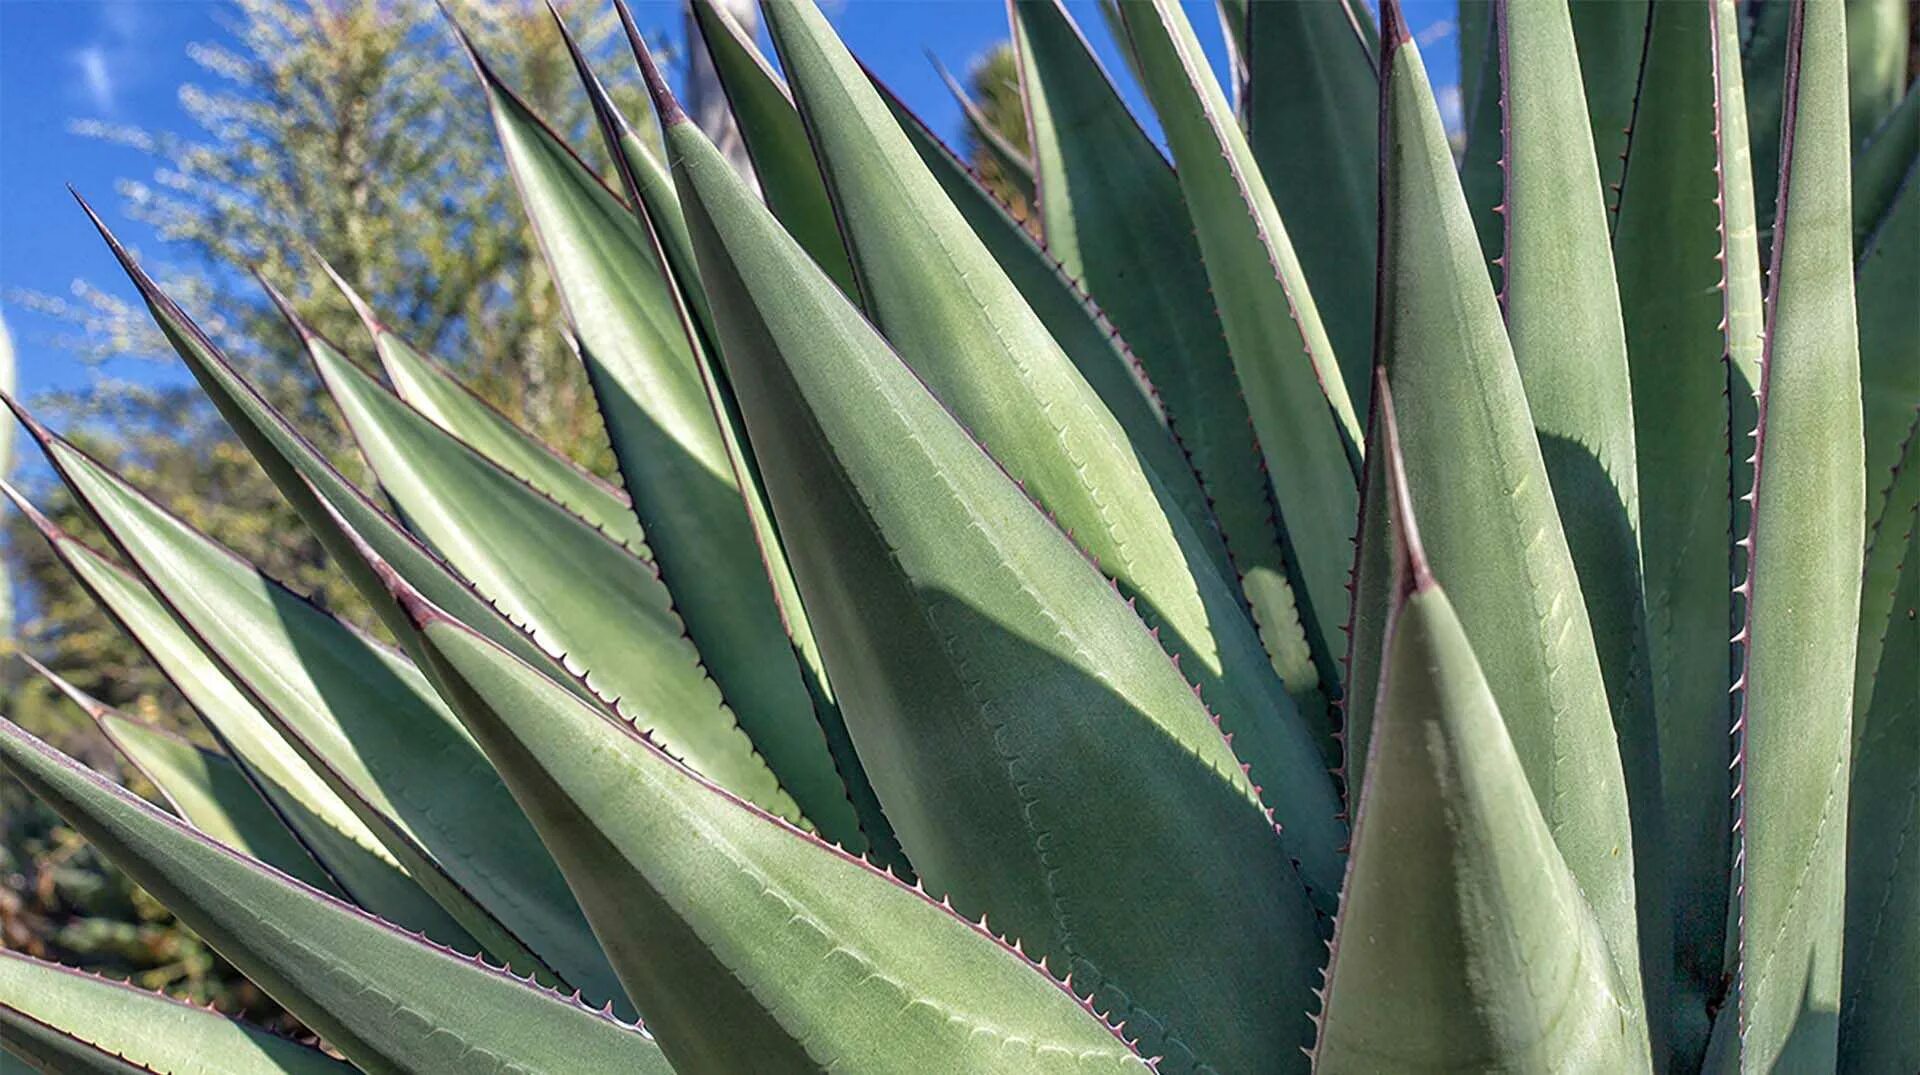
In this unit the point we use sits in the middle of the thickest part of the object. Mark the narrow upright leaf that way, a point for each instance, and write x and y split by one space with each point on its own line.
387 1001
1803 584
1312 94
1691 302
1564 322
1885 555
1612 38
1881 992
1495 536
1002 692
776 141
1887 277
1881 166
672 450
956 319
1285 363
150 1031
1116 217
1463 942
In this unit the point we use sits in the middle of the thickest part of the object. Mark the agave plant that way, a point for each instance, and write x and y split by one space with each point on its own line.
1248 629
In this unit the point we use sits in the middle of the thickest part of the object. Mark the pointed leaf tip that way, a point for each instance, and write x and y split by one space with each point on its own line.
285 306
361 308
1393 28
664 102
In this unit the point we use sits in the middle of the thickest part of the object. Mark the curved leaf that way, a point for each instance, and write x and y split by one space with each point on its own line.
1496 536
1886 278
366 720
47 1048
1116 217
1880 577
1803 584
1287 371
388 1002
1002 692
1569 344
151 1030
1881 166
956 319
1877 61
335 835
1463 943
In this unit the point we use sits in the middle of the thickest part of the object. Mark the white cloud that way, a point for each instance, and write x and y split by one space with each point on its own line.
96 77
112 59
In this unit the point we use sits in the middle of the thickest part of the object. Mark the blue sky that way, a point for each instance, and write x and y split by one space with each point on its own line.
124 61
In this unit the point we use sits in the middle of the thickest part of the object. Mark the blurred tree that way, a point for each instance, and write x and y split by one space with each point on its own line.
993 87
348 128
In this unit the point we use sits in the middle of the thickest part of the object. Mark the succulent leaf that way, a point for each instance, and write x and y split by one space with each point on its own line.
960 324
1301 410
1803 588
751 945
1001 690
1689 287
1496 536
335 835
1464 942
1880 991
1116 217
387 1001
1312 93
205 787
141 1030
1569 344
365 719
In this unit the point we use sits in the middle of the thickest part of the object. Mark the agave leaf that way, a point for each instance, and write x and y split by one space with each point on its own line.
1763 60
981 654
1877 44
797 763
1691 301
1611 37
45 1047
207 788
1884 557
366 720
151 1031
321 495
1115 216
1881 166
1310 116
389 1002
1564 323
335 835
776 141
1285 365
1496 536
753 945
1482 168
1076 321
1463 942
434 391
1014 165
1803 586
1880 991
579 592
672 451
956 318
1887 277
